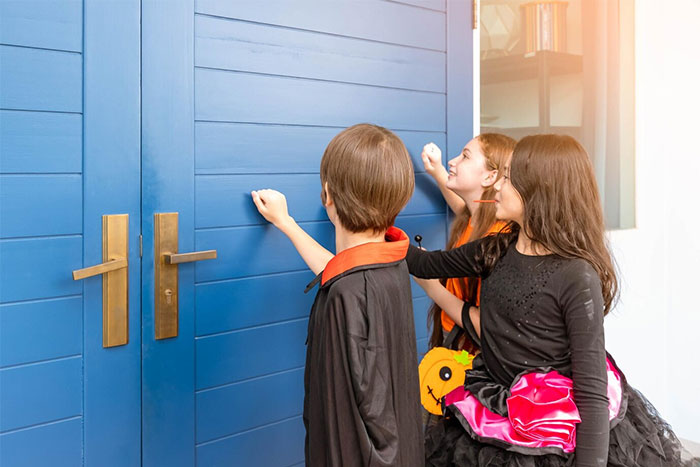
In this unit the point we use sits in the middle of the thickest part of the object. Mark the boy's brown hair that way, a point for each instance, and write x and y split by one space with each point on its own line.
369 175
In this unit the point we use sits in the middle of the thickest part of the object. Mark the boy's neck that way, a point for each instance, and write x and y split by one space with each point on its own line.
345 239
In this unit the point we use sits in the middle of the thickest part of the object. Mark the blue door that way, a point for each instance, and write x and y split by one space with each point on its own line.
147 107
69 154
245 95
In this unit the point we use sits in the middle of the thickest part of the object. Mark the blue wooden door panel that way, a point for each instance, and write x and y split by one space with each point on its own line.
41 392
69 141
42 23
112 154
278 444
438 5
250 100
240 97
243 303
237 355
36 79
241 46
251 251
237 210
57 444
57 324
168 186
42 142
227 410
228 148
41 368
25 272
365 19
34 205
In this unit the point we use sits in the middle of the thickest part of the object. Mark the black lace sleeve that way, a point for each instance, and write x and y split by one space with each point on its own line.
459 262
581 300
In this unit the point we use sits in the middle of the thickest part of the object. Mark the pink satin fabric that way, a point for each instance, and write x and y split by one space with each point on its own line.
541 411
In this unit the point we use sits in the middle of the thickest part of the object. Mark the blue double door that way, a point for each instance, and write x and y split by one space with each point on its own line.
148 107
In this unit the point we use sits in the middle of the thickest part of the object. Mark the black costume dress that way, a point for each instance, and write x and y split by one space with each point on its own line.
361 399
541 313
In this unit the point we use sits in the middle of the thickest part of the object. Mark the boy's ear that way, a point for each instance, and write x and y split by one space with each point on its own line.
326 195
490 178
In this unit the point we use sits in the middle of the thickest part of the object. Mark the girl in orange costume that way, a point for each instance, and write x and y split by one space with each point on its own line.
470 176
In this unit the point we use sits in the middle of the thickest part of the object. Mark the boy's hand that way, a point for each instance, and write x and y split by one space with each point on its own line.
432 159
272 205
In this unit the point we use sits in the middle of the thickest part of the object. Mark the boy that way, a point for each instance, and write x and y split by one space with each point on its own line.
361 403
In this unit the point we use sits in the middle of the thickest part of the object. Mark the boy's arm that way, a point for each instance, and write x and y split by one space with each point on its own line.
432 162
273 207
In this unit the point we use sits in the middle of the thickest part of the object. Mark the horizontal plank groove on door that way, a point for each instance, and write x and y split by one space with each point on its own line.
240 97
253 447
61 445
241 46
249 251
31 332
438 5
35 205
42 24
235 356
243 303
225 200
39 268
237 148
33 79
378 21
40 142
41 393
241 407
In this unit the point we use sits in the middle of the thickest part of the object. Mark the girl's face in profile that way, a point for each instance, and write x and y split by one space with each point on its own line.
509 204
467 172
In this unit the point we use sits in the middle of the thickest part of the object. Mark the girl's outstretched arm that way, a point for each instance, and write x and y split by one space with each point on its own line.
273 206
462 313
432 162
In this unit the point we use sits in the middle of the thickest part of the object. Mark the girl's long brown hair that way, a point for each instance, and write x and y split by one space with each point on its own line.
496 149
561 207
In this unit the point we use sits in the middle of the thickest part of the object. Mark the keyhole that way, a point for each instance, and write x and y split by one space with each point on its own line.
168 296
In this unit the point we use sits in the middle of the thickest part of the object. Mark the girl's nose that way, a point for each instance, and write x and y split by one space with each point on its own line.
497 186
452 162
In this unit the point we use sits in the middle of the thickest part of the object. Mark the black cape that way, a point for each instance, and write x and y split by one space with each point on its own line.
361 401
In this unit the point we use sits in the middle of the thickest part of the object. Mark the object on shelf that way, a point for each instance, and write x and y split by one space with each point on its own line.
544 26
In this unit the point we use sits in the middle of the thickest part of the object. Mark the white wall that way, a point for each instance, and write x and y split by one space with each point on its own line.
654 334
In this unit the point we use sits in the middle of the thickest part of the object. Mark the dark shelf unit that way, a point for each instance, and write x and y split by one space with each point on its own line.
540 66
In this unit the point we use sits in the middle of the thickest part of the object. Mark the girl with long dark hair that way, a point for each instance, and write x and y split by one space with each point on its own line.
543 391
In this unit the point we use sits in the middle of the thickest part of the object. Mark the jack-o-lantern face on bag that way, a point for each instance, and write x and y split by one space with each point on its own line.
441 371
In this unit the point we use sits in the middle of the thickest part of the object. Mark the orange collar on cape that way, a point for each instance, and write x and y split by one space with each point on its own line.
394 249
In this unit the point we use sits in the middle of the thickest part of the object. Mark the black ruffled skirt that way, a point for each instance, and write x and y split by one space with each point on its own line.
641 439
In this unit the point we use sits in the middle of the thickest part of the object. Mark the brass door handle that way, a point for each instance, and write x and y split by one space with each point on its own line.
98 269
167 258
115 279
179 258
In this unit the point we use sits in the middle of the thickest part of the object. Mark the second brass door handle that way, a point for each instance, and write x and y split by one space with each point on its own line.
179 258
167 258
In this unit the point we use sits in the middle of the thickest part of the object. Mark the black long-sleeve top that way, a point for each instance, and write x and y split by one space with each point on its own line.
538 311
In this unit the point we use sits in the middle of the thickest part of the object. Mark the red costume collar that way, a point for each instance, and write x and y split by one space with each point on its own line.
394 249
